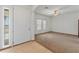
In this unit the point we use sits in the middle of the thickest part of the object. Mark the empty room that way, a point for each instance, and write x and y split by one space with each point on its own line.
39 28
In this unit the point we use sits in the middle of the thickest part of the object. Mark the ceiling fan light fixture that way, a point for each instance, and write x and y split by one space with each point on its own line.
56 12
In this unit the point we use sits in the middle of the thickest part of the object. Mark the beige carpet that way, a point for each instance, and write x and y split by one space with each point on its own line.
59 42
29 47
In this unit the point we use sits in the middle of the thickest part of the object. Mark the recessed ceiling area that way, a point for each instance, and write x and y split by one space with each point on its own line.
54 10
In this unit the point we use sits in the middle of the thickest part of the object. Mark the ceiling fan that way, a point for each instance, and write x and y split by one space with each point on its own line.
56 12
60 10
65 10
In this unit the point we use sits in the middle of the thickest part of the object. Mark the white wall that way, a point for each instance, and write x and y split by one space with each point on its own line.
48 25
1 27
22 24
66 23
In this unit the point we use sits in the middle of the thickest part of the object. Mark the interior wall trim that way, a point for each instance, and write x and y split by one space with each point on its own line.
43 33
16 45
64 33
56 32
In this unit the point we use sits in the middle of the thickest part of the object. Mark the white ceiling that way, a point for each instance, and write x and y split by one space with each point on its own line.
63 9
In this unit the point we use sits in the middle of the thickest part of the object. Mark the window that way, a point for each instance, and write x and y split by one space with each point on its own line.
39 24
6 27
44 24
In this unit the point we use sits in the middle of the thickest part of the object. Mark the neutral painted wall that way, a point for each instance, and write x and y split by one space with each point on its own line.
22 24
48 25
66 23
1 27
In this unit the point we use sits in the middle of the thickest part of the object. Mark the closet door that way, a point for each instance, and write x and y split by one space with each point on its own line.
21 25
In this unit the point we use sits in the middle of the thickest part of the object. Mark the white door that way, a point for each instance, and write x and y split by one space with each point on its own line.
21 25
